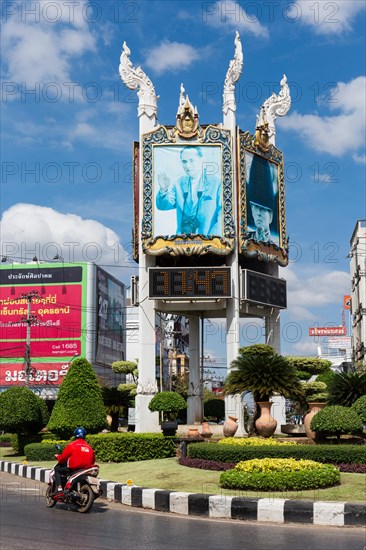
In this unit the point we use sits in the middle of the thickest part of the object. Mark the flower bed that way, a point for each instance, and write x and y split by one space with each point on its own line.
280 474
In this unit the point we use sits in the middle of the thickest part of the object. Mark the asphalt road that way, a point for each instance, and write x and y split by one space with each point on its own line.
26 523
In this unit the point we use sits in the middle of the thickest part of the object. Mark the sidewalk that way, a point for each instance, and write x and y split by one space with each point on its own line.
338 514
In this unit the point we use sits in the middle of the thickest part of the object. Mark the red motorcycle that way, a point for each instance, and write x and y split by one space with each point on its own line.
80 488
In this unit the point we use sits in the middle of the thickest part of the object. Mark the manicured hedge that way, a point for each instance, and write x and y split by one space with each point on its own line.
19 442
131 447
42 451
333 454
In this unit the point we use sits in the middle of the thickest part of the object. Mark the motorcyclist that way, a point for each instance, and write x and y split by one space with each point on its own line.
76 455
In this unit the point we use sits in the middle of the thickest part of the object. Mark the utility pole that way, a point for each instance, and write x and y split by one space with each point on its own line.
30 320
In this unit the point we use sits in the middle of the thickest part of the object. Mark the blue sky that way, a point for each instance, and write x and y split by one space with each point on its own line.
68 124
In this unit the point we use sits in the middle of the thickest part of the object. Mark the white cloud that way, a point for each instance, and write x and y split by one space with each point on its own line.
29 230
313 290
360 159
336 134
171 56
233 17
326 17
37 50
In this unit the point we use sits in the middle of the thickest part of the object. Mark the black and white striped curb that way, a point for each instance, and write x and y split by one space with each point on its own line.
275 510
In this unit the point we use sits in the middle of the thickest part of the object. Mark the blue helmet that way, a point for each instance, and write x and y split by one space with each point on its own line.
80 433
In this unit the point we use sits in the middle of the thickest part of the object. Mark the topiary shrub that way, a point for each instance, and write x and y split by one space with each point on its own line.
314 391
79 402
360 407
280 474
21 411
169 403
336 420
23 414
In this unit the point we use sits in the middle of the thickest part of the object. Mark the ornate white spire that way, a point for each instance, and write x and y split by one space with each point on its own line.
232 76
276 105
135 78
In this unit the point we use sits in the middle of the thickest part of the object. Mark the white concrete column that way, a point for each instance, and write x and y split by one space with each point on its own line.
195 408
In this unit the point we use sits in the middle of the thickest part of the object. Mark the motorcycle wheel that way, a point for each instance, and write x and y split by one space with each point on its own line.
85 502
50 502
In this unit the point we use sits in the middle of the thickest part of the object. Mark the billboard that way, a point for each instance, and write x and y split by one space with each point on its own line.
111 319
52 300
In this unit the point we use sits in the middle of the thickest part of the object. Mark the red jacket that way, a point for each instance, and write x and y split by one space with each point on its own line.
77 454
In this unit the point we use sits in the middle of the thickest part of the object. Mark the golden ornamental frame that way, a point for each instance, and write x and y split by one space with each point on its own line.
248 246
187 244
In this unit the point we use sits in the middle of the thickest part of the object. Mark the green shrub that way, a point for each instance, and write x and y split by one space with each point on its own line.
280 475
79 402
5 438
130 447
42 451
360 407
336 420
334 454
21 411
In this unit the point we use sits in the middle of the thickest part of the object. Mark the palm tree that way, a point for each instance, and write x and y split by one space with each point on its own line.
261 371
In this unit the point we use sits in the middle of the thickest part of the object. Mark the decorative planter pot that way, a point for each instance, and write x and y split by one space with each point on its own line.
205 431
230 426
169 427
314 407
192 432
266 424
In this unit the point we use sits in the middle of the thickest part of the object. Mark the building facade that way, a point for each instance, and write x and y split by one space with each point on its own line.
358 290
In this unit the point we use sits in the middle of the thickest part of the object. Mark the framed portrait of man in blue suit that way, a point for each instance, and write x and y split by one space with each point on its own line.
187 193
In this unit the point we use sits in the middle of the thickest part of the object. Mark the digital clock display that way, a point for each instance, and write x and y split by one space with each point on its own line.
264 289
173 283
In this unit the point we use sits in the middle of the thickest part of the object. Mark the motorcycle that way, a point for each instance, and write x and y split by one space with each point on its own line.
80 488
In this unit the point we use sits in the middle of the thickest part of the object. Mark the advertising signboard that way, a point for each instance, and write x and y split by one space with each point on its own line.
111 319
57 297
328 331
340 342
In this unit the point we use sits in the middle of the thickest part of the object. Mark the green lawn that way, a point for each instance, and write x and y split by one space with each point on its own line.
168 474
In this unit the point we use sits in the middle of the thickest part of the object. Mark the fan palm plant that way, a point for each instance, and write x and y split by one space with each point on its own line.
345 388
260 370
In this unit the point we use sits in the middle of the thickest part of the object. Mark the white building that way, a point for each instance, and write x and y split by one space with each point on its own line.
358 291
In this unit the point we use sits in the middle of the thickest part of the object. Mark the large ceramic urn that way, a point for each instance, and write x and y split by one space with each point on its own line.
314 407
265 424
230 426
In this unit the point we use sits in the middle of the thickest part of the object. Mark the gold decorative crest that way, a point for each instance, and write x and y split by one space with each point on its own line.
187 117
